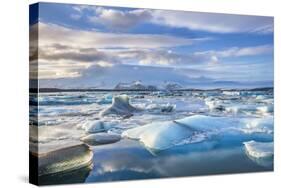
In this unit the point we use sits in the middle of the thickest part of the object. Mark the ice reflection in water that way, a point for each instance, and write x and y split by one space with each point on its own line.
129 160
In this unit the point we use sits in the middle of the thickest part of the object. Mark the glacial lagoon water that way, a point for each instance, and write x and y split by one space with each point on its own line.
163 134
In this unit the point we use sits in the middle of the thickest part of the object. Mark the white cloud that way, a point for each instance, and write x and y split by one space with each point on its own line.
217 23
75 16
117 19
210 22
236 52
65 52
51 33
166 57
149 57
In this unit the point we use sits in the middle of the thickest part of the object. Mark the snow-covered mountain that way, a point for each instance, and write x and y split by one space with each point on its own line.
172 86
136 85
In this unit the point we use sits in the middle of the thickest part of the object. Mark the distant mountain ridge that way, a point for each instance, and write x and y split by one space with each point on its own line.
172 86
136 85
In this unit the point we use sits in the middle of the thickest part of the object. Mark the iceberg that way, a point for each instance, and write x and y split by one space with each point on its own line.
259 125
64 160
95 126
100 138
107 99
261 97
159 136
240 108
260 152
231 93
207 123
214 104
265 109
168 108
200 128
160 107
232 130
120 106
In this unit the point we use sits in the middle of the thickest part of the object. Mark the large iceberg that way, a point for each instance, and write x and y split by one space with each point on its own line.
159 136
120 106
260 152
163 135
200 128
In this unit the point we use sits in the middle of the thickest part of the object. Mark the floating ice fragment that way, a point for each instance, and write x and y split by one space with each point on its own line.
265 109
159 136
240 108
206 123
258 125
200 128
160 107
65 160
231 93
107 99
120 106
260 152
95 126
214 104
101 138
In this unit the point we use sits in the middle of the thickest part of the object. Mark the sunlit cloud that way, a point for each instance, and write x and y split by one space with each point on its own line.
78 50
51 33
115 18
215 23
66 52
215 55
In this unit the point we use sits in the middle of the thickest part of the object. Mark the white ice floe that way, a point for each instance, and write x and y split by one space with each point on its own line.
258 125
214 104
261 97
265 109
120 106
159 136
107 99
200 128
225 125
65 160
269 101
240 108
206 123
95 126
160 107
260 152
236 93
163 135
101 138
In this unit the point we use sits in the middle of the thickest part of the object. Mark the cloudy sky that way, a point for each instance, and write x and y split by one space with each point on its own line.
93 46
